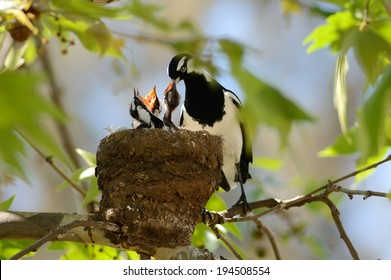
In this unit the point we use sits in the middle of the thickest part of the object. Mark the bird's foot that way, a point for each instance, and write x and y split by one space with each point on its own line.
244 204
170 125
211 218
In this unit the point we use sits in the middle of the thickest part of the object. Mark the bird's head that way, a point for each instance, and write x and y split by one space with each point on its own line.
179 67
152 102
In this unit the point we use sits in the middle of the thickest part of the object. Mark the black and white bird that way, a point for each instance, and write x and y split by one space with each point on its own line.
142 116
211 107
171 102
153 103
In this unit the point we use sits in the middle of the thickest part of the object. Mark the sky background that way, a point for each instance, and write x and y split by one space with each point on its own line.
96 97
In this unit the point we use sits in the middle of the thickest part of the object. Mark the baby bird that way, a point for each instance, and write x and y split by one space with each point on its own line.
171 101
142 116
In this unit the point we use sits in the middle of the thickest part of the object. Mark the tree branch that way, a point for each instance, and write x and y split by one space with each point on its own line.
352 174
262 227
53 235
49 160
55 95
24 225
225 240
338 223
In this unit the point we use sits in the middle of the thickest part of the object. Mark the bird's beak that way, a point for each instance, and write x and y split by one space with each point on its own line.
150 99
173 84
136 93
175 81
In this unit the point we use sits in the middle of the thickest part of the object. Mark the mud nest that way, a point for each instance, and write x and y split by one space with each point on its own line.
155 183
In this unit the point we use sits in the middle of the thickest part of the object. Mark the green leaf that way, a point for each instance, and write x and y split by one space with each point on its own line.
98 38
6 204
267 163
374 119
345 144
9 248
369 161
149 13
93 34
88 157
234 51
264 103
215 203
24 110
79 251
340 93
331 33
87 9
31 53
371 51
75 177
92 192
382 28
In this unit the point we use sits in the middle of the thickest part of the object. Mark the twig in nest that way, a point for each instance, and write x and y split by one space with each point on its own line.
225 241
61 230
264 228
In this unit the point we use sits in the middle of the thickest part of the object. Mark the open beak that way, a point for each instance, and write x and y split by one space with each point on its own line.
170 87
150 99
136 93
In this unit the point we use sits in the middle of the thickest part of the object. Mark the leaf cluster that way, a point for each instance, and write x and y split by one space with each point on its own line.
364 29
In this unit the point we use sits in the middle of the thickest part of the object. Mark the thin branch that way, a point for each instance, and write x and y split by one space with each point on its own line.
262 227
55 95
225 241
338 223
319 194
352 174
49 160
64 229
365 193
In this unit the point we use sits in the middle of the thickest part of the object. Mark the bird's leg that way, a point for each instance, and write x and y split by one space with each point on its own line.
211 218
206 216
168 122
242 199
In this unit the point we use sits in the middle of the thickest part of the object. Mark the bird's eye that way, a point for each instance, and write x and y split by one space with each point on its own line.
183 69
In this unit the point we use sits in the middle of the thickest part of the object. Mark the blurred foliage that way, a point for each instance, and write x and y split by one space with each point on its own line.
9 248
364 28
85 175
81 251
6 204
23 110
26 26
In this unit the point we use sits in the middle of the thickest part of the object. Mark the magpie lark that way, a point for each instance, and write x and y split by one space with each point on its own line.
171 101
211 107
142 117
152 102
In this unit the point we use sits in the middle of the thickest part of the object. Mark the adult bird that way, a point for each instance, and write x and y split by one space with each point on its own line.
211 107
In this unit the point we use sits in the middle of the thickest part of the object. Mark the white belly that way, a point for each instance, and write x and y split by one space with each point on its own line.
230 132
